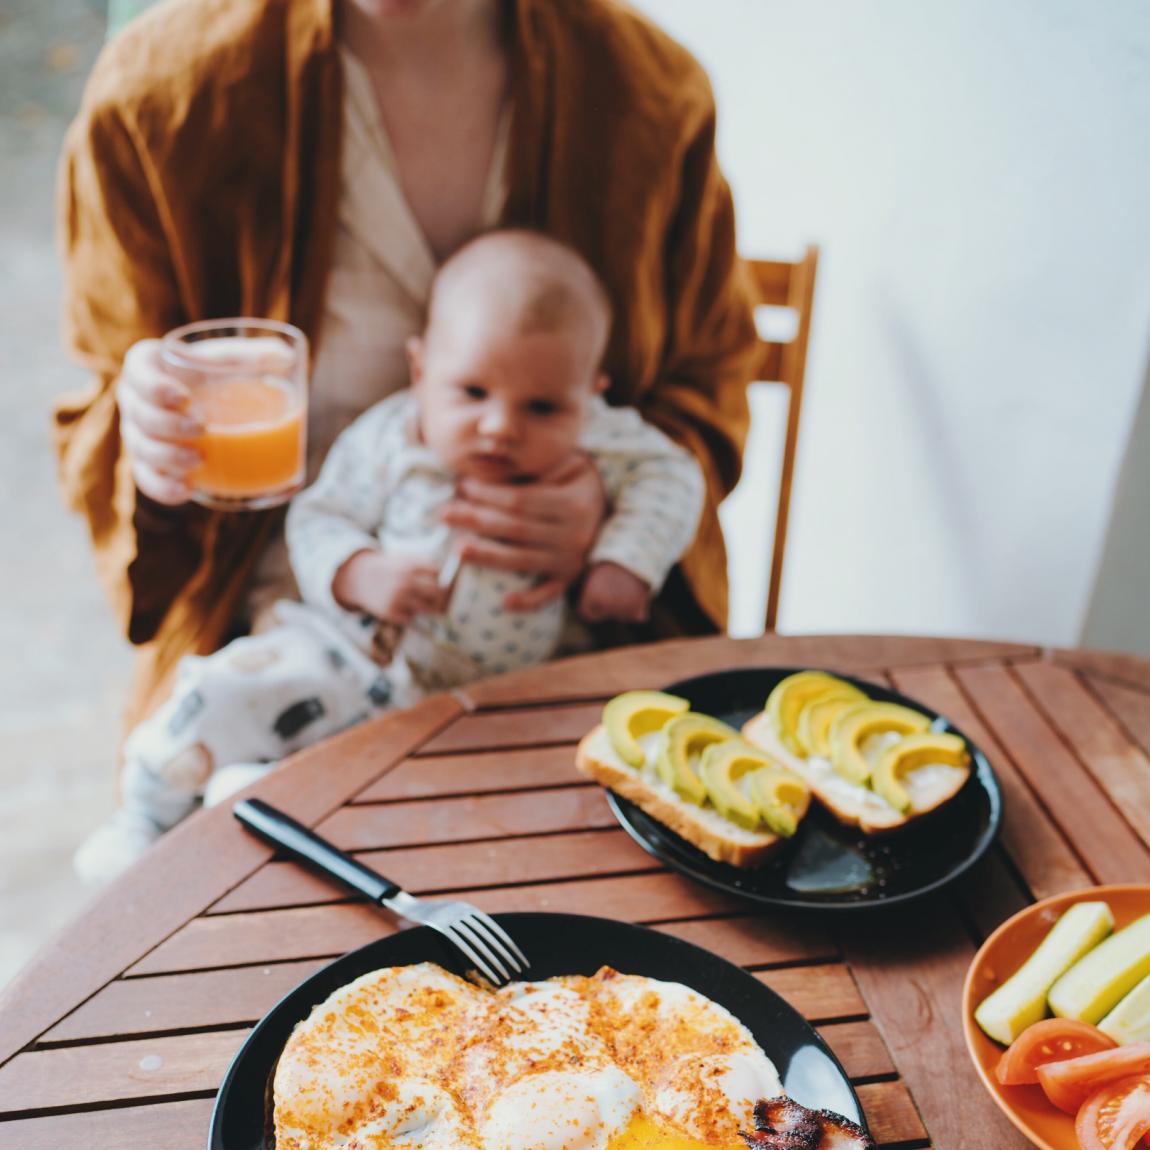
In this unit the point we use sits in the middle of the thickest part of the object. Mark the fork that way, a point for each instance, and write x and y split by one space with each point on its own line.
482 941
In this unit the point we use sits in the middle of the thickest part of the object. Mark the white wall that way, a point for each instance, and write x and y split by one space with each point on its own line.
978 176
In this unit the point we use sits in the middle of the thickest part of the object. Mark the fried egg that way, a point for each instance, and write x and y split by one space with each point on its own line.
348 1060
561 1110
414 1057
536 1026
701 1070
418 1116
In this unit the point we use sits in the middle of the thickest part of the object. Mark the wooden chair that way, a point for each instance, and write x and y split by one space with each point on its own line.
785 285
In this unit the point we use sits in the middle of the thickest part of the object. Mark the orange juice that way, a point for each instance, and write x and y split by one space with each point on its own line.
253 440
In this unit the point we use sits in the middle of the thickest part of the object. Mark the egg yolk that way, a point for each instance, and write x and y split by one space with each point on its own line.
642 1134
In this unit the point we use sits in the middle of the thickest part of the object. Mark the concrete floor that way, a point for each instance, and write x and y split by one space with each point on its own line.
62 666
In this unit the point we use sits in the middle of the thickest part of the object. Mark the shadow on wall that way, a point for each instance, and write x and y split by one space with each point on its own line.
1118 613
943 458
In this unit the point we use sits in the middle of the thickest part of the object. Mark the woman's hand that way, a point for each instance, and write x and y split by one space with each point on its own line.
544 528
154 426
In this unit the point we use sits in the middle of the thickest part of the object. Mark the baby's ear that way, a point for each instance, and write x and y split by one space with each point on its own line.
602 382
414 348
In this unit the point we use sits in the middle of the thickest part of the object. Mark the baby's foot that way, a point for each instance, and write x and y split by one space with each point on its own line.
113 846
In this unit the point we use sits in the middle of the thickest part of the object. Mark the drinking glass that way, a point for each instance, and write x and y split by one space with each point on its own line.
248 384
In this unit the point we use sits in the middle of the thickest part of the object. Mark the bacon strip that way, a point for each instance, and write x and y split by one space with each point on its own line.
782 1124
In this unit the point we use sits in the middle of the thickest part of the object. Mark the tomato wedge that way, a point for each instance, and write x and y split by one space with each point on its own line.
1052 1040
1115 1117
1068 1084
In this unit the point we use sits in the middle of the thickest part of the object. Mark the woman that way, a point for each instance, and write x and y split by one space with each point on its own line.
312 162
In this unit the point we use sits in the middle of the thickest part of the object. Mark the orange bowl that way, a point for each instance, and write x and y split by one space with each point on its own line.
997 959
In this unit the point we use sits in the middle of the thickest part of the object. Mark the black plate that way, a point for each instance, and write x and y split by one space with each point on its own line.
827 866
556 944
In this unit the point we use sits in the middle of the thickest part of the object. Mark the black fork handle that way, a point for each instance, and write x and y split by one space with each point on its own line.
304 845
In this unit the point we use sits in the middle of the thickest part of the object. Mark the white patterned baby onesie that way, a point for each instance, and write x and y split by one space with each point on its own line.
267 695
381 487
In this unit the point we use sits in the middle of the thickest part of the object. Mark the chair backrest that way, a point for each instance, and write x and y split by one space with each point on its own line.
785 285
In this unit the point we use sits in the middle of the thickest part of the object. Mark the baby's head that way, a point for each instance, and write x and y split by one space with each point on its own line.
507 365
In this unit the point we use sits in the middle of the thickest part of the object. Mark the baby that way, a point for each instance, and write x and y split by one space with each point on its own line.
506 388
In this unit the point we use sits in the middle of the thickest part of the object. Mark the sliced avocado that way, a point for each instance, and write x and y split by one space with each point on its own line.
685 738
816 717
636 713
910 753
1021 1000
1095 984
781 797
1129 1021
789 697
866 723
721 767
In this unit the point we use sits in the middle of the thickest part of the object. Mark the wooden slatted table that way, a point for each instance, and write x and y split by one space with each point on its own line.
118 1034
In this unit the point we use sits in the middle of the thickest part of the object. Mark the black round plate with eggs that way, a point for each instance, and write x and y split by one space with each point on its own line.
828 866
556 944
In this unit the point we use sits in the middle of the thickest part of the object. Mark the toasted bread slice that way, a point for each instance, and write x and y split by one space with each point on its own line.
850 803
716 836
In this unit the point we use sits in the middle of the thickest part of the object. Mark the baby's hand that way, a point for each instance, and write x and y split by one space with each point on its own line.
613 592
391 588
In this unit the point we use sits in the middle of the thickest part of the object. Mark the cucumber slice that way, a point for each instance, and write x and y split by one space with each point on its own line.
1129 1021
1021 1000
1096 984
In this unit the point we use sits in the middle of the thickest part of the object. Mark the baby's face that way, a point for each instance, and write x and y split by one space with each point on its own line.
501 406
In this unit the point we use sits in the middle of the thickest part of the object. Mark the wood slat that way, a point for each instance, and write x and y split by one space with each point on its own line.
1129 705
1118 666
873 675
772 280
608 673
1102 838
910 972
435 776
769 367
272 936
818 993
427 870
859 1047
991 892
217 998
208 854
310 932
1120 767
185 1062
757 941
642 898
892 1117
525 727
113 1071
183 1125
170 1126
241 995
457 819
1043 855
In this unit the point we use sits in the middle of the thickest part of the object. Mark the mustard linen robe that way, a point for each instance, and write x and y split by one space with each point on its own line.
200 179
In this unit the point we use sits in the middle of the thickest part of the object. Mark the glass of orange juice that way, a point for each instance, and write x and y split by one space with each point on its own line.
248 385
